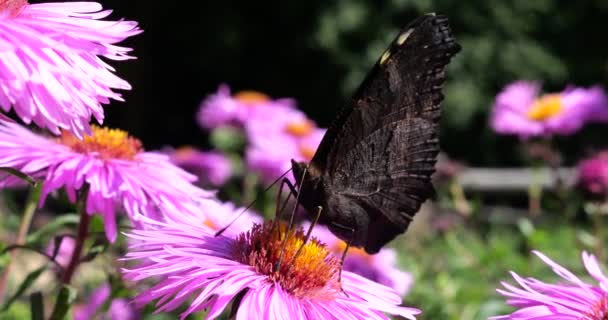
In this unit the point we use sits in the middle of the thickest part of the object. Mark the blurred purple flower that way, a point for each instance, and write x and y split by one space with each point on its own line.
222 108
119 309
209 272
51 72
211 168
277 135
114 165
574 299
521 110
380 267
593 174
64 254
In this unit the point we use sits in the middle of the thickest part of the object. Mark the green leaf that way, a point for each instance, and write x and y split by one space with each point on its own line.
228 139
27 282
100 246
52 227
66 297
25 177
37 306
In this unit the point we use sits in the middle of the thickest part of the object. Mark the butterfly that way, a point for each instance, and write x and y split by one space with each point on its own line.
372 169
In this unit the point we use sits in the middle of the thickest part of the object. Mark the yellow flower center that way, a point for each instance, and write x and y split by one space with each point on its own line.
313 274
107 143
546 107
12 8
251 97
300 128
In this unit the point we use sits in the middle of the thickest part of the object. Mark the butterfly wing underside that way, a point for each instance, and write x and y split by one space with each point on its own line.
381 151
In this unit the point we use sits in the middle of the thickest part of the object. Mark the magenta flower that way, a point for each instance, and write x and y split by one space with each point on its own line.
119 308
571 300
206 272
593 174
114 165
222 108
380 267
51 72
521 110
212 168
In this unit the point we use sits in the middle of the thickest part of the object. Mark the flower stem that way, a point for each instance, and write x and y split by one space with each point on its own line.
81 236
24 227
598 228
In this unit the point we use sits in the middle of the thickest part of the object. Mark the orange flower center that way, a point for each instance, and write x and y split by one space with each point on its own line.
301 128
340 246
307 152
312 275
251 97
184 152
107 143
546 107
12 8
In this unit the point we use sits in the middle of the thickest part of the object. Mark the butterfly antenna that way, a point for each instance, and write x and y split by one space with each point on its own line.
219 233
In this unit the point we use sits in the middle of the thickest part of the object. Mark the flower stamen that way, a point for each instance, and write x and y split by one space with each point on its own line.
546 107
251 97
105 142
300 128
11 8
313 274
599 311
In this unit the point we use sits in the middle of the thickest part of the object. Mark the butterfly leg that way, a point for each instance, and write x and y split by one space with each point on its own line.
307 237
293 214
278 214
348 243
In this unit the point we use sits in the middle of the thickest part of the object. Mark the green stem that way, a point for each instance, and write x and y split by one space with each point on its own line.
81 237
535 192
24 227
598 230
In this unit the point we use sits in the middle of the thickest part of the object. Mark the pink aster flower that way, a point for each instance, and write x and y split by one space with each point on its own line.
593 174
521 110
119 308
51 71
114 165
572 300
211 167
222 108
380 267
277 135
64 254
207 272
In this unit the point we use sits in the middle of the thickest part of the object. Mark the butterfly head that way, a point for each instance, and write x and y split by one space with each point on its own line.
308 179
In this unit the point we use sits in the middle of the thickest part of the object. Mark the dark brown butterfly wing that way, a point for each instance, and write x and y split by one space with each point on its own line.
381 151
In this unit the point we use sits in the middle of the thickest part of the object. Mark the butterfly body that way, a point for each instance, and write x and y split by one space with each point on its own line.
372 169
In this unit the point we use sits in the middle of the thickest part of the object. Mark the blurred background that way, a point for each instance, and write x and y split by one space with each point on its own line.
317 52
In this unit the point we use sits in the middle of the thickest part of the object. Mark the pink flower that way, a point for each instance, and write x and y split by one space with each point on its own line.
571 300
275 136
222 108
593 174
192 266
521 110
64 254
119 308
114 165
380 267
211 167
51 72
